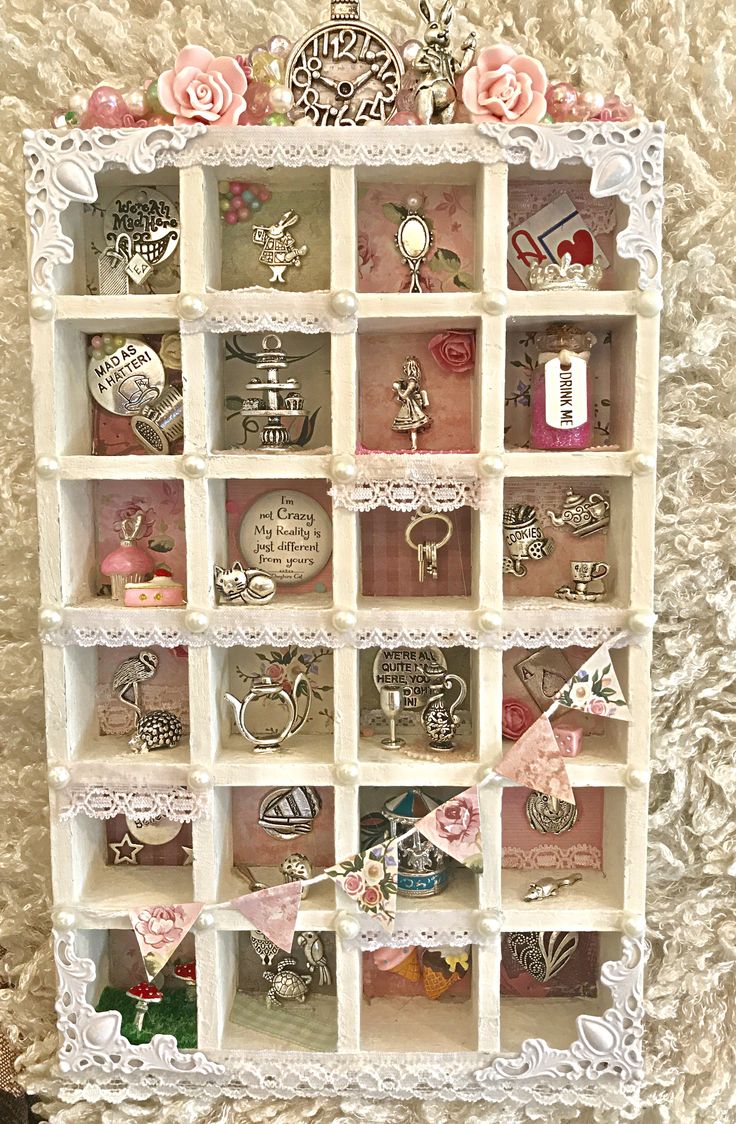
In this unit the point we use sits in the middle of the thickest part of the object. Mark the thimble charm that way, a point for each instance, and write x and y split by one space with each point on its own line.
160 423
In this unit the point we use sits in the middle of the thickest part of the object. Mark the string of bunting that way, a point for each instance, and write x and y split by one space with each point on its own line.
370 878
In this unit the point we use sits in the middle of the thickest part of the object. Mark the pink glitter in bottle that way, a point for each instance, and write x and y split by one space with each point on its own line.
564 346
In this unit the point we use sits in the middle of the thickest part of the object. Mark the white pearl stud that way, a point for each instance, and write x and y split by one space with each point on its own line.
64 920
347 772
643 463
637 778
49 620
344 303
47 467
489 923
649 303
193 465
205 921
347 927
343 468
641 623
343 620
495 301
635 925
491 466
190 306
42 307
489 621
58 776
199 779
196 621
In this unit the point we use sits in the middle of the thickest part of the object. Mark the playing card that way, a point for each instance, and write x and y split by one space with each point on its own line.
548 234
543 673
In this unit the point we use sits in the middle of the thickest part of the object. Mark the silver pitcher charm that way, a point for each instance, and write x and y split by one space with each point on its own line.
267 689
436 97
438 717
524 539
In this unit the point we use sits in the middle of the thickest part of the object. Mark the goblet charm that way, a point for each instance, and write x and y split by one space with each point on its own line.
392 703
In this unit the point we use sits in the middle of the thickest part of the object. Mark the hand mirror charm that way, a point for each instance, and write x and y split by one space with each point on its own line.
414 240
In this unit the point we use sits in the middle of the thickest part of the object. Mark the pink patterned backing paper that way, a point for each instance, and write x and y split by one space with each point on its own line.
579 848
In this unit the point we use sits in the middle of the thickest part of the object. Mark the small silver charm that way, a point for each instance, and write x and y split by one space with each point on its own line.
126 851
128 380
436 97
412 417
297 868
287 813
583 516
160 729
392 703
263 689
280 398
584 575
265 949
130 674
438 716
549 887
427 551
524 539
160 423
543 673
252 587
542 955
414 240
314 954
279 250
112 277
141 226
549 814
287 984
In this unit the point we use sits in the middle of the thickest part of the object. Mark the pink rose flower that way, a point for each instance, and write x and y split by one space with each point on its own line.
504 86
203 88
598 706
371 896
453 351
458 819
516 718
158 925
353 883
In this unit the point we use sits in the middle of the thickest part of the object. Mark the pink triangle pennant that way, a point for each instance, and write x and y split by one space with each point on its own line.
454 827
274 911
370 879
595 688
160 929
536 762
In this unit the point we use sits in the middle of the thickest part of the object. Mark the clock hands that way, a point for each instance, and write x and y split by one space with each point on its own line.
345 89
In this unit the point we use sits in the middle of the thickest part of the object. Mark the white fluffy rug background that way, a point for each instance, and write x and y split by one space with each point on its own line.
678 60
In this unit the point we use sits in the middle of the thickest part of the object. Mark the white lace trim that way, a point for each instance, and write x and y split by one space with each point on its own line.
524 200
551 855
419 488
267 310
101 802
425 935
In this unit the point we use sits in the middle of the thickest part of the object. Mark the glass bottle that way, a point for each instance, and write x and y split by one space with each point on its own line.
561 398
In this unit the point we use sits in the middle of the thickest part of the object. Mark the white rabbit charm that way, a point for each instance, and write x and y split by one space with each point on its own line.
279 250
436 97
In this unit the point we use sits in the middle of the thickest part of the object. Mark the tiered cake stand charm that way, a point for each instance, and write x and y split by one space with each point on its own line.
279 398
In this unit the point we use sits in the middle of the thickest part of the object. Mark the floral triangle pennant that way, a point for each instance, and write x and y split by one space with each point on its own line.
160 929
274 911
370 880
454 827
535 761
595 688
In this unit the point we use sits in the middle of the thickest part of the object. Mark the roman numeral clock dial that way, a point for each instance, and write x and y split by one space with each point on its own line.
345 72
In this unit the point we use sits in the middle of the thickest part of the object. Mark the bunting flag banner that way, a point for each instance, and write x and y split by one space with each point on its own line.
274 911
370 879
536 762
595 688
454 827
160 929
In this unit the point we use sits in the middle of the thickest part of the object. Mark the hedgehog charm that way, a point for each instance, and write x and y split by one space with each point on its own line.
158 730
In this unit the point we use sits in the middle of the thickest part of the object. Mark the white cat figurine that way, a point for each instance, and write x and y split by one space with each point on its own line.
252 587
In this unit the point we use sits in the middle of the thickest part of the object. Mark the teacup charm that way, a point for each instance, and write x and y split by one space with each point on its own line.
584 574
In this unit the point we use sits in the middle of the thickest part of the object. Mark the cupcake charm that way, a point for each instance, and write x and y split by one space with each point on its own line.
128 562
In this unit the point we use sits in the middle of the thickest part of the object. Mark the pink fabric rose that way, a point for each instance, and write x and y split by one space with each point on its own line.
353 883
516 718
458 819
453 351
504 86
158 925
598 706
203 88
371 896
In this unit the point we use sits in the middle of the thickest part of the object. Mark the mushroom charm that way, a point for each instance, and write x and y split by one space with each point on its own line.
188 973
145 994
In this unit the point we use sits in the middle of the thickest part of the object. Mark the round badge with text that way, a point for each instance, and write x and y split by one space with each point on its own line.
288 535
128 379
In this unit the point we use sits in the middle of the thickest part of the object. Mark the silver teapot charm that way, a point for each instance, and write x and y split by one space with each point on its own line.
584 516
438 716
267 689
435 97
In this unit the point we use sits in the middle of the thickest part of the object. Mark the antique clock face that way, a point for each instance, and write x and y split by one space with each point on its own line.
345 72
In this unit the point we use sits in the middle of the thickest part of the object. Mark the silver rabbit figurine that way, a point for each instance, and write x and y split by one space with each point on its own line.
436 97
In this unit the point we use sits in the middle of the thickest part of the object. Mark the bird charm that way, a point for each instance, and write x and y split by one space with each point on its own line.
265 950
130 674
314 952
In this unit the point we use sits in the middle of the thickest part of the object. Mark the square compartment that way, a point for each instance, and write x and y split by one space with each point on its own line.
453 396
139 843
388 565
97 883
304 191
448 203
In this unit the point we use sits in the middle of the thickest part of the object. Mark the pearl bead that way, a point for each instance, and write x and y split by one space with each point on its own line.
47 467
343 620
410 50
591 101
344 303
49 619
199 779
635 925
649 303
196 621
136 102
637 778
79 102
280 99
491 465
347 772
641 622
495 301
192 464
42 307
64 920
643 463
205 921
279 46
489 923
343 468
489 621
191 306
58 776
347 927
415 202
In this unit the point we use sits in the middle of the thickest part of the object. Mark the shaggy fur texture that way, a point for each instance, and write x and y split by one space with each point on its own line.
678 59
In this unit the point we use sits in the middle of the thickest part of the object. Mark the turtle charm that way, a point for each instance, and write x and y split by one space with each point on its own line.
286 983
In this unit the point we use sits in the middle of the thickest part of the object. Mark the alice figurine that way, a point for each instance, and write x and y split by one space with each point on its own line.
411 417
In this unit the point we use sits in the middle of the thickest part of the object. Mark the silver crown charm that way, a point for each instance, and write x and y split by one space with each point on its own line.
567 275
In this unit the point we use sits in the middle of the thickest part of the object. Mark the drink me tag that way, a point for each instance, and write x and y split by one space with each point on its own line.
566 393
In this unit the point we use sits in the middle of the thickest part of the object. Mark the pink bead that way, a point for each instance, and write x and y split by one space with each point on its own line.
569 738
231 217
96 342
405 118
244 213
263 194
236 203
257 100
236 187
561 100
615 110
106 107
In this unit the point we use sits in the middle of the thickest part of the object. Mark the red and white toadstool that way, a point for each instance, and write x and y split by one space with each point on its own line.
144 994
188 973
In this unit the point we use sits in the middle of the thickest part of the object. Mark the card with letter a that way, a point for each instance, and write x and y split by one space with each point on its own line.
548 234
